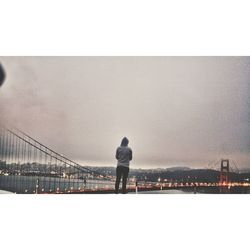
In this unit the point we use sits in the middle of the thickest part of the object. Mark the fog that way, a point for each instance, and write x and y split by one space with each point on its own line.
174 110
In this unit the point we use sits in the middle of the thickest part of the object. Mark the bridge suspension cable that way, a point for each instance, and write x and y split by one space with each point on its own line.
28 166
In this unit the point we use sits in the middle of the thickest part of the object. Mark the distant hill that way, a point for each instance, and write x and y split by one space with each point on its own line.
178 168
178 173
244 170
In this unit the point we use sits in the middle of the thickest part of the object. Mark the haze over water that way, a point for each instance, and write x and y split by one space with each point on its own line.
175 110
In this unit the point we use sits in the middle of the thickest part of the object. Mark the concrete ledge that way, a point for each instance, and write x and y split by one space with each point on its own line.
5 192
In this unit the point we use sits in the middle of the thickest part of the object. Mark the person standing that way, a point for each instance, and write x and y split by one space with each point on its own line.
123 156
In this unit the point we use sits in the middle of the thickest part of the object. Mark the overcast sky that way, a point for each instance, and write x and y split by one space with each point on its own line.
174 110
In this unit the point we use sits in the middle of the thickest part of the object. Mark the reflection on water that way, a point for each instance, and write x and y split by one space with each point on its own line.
202 190
34 184
172 191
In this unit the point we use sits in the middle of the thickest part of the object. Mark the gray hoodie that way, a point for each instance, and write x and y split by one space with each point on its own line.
124 156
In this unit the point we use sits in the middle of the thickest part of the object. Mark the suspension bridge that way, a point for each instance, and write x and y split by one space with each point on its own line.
28 166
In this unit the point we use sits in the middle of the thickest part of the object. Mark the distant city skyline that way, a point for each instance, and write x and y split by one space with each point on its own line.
176 111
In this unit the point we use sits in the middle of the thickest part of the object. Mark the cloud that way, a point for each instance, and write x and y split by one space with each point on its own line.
174 110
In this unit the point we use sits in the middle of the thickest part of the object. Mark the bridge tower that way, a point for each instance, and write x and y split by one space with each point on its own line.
224 172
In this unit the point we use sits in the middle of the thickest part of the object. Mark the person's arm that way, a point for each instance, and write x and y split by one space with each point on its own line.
131 155
117 154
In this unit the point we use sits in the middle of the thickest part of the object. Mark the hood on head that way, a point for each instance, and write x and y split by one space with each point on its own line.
124 142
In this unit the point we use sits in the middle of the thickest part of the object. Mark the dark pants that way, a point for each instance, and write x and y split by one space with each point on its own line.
121 172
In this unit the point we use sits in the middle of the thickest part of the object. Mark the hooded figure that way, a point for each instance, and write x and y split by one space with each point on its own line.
123 156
